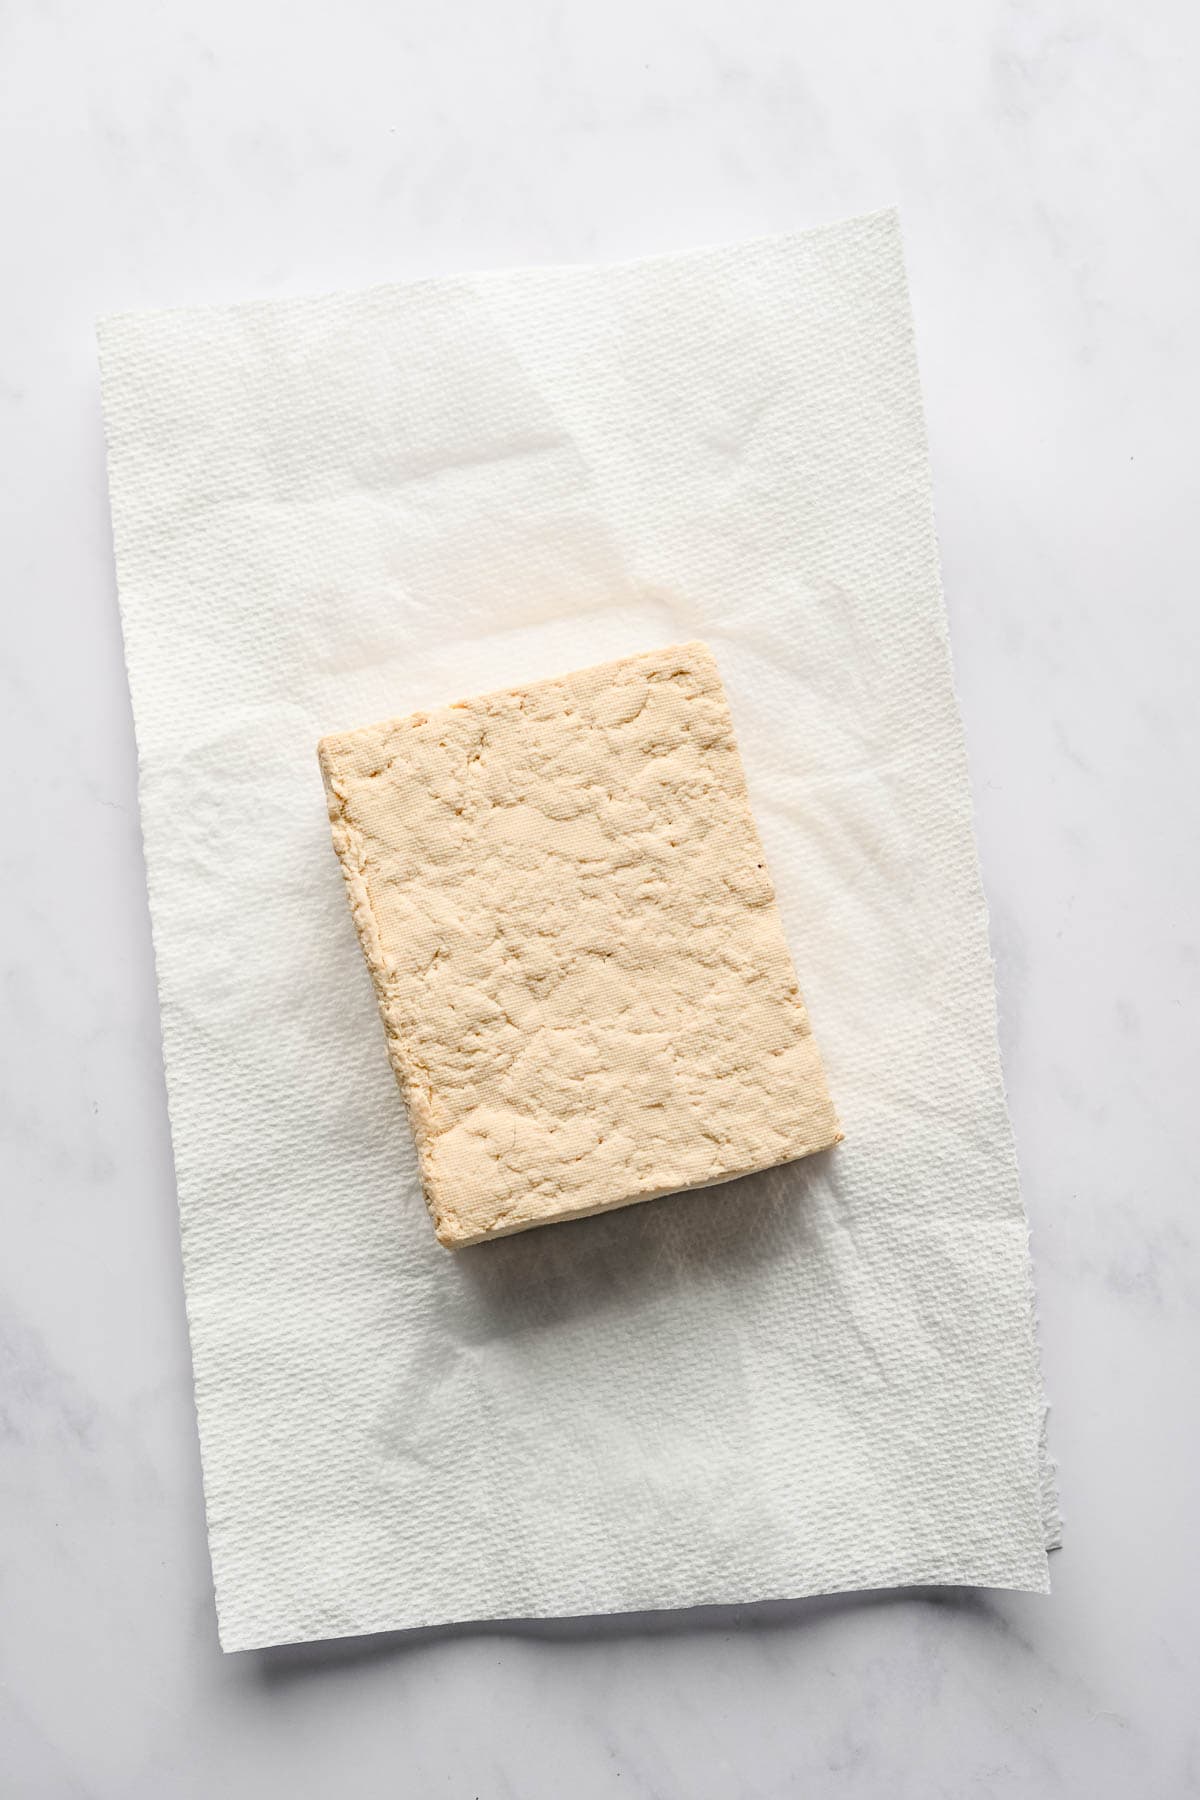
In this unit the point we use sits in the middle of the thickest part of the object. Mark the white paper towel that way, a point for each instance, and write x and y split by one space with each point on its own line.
334 510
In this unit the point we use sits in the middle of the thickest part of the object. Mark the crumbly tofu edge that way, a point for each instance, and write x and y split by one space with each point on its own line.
349 845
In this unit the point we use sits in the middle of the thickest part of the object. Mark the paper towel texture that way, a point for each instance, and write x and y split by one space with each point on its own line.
336 510
580 966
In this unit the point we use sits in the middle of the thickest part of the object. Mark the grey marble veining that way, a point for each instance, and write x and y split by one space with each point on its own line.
1044 157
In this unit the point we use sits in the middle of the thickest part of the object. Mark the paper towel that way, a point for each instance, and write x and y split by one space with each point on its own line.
330 511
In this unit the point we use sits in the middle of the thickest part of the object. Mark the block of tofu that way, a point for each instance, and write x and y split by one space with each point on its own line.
562 899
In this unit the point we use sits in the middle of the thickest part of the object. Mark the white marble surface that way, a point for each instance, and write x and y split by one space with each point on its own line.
1045 157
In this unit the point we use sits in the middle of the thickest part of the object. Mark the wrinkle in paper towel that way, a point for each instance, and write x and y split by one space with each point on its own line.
331 511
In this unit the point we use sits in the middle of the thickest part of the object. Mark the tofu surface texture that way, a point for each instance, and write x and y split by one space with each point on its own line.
583 977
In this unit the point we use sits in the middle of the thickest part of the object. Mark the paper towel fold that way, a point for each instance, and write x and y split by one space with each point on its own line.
334 510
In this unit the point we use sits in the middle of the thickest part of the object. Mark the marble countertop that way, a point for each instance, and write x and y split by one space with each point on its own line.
1044 157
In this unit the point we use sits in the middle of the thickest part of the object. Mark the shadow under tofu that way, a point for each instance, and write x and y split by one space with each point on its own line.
636 1254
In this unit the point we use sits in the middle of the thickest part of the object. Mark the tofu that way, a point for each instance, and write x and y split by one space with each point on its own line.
582 973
